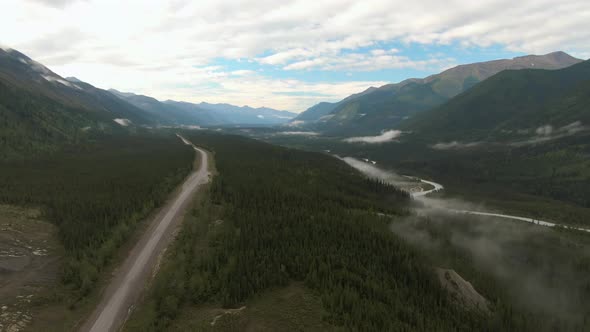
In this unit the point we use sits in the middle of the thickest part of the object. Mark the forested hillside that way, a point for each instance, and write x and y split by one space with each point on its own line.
41 112
32 124
511 104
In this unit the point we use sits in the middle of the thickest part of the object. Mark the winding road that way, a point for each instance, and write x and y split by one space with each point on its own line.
130 278
371 171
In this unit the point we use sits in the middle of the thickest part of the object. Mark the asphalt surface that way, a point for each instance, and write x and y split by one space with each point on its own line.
130 279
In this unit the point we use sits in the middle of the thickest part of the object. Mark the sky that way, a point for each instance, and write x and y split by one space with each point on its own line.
287 54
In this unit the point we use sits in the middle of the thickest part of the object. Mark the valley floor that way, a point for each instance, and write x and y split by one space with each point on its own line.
290 308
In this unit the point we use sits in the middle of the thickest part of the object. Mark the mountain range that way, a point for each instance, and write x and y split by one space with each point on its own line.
382 108
206 114
516 105
40 110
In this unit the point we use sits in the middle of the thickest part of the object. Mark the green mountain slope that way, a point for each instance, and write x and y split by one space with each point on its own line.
317 111
40 111
31 124
20 71
320 110
512 104
389 105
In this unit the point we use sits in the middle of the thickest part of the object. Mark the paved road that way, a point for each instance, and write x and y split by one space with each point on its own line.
130 279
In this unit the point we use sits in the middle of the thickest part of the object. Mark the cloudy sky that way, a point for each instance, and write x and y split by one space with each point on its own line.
282 54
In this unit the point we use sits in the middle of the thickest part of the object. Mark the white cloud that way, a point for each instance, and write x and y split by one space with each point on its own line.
548 133
298 133
55 3
455 145
376 59
375 172
544 130
285 56
295 123
543 134
60 81
386 136
306 64
123 122
372 61
242 72
159 47
573 128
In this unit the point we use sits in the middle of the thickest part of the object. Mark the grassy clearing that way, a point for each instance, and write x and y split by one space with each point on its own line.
29 259
291 308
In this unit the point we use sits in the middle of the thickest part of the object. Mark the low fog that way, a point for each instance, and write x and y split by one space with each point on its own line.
372 171
298 133
386 136
535 264
455 145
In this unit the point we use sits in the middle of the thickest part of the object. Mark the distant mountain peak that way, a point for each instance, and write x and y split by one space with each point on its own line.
557 56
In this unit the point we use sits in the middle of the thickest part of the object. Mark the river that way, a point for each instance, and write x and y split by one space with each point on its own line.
372 171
